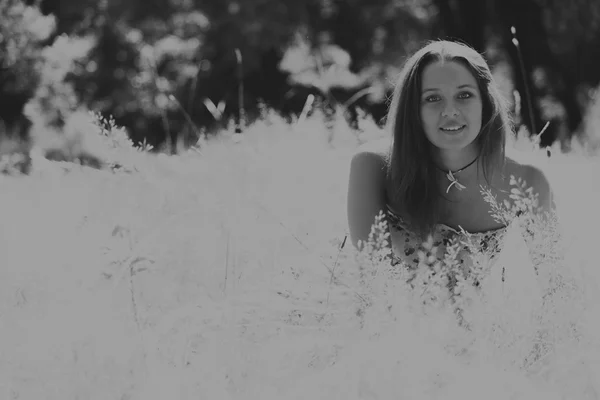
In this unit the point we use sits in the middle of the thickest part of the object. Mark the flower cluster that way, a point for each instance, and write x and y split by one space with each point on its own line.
447 282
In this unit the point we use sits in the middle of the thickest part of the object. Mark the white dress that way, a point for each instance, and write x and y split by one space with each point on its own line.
508 285
406 245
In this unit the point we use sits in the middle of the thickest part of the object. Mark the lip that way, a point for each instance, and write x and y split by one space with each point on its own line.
449 130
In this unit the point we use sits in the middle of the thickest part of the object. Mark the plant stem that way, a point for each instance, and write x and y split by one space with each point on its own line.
515 42
240 77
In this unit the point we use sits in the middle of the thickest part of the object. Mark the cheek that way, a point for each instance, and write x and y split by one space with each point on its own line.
429 116
476 111
429 123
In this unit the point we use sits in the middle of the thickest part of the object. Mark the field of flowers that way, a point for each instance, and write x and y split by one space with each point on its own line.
222 273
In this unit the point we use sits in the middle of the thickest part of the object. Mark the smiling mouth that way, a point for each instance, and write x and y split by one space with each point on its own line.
453 128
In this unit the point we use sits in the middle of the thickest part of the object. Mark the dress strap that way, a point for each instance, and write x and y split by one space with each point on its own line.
395 218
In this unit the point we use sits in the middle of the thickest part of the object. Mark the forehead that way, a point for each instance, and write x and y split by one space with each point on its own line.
447 74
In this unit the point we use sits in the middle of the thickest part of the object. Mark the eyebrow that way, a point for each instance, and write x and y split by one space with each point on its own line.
467 85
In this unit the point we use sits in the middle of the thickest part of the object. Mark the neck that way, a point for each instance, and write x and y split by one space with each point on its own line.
460 169
453 161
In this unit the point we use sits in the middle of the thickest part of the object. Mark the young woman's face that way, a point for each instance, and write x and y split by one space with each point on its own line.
451 106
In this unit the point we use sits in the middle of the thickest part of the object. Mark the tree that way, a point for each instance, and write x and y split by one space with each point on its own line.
466 20
22 34
555 57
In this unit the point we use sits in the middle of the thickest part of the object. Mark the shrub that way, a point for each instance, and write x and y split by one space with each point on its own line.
523 334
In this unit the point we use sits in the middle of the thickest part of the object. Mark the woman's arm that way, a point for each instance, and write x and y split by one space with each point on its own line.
543 233
366 193
541 186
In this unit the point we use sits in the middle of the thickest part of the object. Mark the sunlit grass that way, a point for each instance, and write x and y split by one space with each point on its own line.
208 275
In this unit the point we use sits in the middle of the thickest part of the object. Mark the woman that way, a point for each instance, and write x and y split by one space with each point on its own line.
449 125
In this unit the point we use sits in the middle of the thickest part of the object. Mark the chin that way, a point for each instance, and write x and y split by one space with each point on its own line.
456 146
456 142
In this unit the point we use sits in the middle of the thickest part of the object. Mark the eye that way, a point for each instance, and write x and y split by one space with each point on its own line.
432 98
465 95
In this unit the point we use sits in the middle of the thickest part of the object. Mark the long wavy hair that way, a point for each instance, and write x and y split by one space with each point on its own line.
411 172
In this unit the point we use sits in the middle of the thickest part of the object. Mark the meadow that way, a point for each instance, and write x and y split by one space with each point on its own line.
224 273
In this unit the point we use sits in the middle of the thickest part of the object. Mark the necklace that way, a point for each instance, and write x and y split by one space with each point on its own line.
452 178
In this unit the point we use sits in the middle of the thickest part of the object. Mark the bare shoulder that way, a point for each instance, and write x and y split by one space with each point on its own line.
534 177
372 156
379 147
366 189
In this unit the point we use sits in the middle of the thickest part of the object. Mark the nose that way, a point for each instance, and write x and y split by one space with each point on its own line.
450 110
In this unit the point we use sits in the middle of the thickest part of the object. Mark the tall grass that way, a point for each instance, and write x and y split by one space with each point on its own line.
221 274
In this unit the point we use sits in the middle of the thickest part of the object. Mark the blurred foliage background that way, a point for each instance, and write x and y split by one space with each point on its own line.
170 71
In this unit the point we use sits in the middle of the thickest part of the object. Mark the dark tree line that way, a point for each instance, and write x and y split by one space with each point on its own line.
157 64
